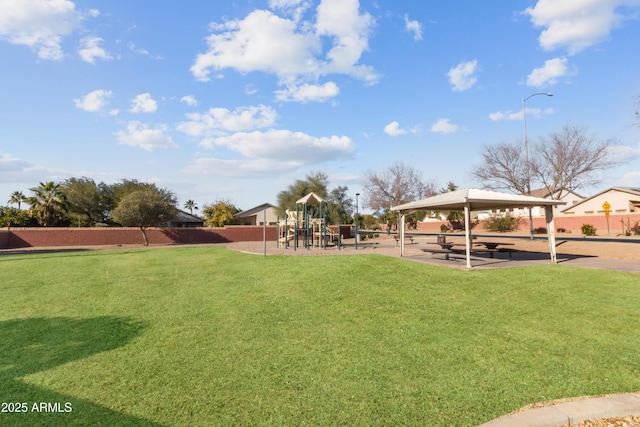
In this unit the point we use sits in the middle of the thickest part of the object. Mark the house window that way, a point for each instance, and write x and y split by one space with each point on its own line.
588 212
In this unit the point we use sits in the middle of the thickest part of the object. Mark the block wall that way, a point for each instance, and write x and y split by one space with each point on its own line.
54 236
568 222
50 237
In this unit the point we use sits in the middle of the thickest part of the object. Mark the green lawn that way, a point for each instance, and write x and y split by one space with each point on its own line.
206 336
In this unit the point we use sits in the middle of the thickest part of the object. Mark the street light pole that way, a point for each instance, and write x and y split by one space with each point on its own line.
526 150
357 194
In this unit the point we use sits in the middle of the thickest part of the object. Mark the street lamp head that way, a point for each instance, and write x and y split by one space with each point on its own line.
536 94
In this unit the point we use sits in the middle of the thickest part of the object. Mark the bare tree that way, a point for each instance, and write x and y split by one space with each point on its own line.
504 168
570 159
567 159
398 184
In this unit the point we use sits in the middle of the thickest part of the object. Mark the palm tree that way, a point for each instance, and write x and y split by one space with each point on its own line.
17 197
48 203
191 205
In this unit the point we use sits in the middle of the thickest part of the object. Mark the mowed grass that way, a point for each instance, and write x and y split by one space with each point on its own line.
206 336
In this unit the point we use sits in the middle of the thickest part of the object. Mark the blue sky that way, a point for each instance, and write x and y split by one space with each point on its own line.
236 100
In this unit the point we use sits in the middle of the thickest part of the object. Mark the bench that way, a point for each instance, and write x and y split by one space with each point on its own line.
492 250
446 252
406 237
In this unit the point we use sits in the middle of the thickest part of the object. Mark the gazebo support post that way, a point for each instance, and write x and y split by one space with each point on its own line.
551 233
295 231
467 233
402 235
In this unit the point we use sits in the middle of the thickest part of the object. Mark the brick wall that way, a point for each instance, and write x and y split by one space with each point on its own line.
568 222
51 237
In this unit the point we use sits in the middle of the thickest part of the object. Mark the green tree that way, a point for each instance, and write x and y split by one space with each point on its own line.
145 208
314 182
11 217
88 201
220 213
17 198
191 205
454 217
48 203
127 186
340 206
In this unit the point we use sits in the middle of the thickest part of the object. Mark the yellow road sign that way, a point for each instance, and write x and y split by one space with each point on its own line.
606 206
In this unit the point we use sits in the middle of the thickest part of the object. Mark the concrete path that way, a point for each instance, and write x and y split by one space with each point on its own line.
525 259
574 412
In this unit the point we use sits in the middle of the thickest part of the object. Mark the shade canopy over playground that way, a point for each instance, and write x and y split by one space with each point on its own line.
471 199
311 199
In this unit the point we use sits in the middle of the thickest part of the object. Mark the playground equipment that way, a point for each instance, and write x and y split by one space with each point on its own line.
307 223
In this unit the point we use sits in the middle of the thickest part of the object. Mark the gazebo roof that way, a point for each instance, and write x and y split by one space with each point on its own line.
475 199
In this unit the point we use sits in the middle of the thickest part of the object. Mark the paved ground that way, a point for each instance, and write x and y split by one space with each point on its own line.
573 412
600 255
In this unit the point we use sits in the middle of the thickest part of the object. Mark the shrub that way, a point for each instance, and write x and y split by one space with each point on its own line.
588 230
502 222
561 230
443 228
540 230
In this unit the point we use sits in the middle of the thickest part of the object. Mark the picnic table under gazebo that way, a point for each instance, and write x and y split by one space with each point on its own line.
471 199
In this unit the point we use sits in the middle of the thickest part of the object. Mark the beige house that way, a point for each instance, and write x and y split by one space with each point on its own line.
256 215
569 197
623 200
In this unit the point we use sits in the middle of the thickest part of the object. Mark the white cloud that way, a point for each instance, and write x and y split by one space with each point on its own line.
17 170
293 8
517 115
462 76
260 42
413 27
291 49
630 179
623 153
217 121
9 163
394 129
308 93
90 50
444 126
149 139
243 168
287 146
143 103
39 24
190 100
575 24
549 73
341 20
95 101
250 89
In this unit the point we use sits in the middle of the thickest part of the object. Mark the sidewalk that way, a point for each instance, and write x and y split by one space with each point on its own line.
574 412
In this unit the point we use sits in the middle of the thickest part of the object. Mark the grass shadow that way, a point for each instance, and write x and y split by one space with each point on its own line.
38 344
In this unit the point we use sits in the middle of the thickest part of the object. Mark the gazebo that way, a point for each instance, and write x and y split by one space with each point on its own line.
471 199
